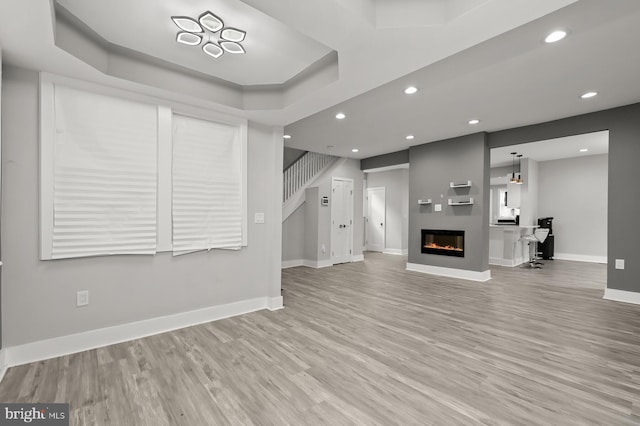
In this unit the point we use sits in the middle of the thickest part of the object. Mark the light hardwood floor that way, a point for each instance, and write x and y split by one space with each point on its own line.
370 343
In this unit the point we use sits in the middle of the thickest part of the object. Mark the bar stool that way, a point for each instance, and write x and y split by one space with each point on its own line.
531 241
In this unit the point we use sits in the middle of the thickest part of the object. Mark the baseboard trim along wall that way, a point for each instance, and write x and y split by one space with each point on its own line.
317 264
357 258
622 296
450 272
397 252
580 258
3 363
510 263
286 264
66 345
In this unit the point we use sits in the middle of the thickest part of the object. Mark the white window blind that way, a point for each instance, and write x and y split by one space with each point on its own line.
207 185
104 176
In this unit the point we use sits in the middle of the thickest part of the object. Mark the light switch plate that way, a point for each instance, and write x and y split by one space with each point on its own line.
259 218
82 298
438 207
619 263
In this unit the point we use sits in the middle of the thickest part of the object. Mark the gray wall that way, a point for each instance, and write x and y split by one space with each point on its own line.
385 160
0 197
315 229
623 194
291 155
574 192
38 297
433 166
293 235
529 193
396 184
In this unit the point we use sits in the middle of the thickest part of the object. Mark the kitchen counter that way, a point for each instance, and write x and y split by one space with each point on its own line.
505 249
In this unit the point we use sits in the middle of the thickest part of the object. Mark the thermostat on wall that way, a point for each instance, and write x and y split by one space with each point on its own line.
324 201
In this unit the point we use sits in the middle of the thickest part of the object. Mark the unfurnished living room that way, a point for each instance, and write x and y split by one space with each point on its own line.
373 212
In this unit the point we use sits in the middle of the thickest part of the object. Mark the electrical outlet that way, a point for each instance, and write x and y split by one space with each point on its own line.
82 298
438 207
323 248
259 218
619 263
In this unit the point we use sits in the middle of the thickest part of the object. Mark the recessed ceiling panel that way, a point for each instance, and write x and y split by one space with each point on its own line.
274 52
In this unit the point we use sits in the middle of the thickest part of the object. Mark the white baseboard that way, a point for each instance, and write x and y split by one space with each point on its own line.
580 258
65 345
357 258
275 303
3 363
397 252
292 263
510 263
317 264
622 296
450 272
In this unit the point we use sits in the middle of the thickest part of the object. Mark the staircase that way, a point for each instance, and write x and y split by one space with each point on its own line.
300 175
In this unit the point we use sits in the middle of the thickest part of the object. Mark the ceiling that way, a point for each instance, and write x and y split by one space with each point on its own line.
554 149
276 50
308 60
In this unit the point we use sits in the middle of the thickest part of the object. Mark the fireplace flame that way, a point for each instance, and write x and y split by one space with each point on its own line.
439 247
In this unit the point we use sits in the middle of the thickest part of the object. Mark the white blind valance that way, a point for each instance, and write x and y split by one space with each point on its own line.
104 175
207 185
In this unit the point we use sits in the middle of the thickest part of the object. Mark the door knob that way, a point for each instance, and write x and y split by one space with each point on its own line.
382 224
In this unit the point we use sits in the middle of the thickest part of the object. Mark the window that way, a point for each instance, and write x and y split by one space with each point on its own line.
126 174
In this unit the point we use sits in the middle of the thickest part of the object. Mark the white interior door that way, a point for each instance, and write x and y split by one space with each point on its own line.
341 220
376 219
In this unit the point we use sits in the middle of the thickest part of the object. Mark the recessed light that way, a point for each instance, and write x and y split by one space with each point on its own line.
589 95
410 137
555 36
355 150
340 116
287 136
474 121
584 150
411 90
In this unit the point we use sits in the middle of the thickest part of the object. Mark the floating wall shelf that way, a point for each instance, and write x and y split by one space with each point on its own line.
460 185
424 202
461 202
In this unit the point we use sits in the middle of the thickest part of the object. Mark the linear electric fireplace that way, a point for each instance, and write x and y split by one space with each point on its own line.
444 242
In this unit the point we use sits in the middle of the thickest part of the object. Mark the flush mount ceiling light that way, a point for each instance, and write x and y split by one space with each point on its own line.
211 22
355 150
232 47
555 36
584 150
187 24
410 137
210 29
212 49
340 116
233 34
474 121
411 90
287 136
589 95
188 38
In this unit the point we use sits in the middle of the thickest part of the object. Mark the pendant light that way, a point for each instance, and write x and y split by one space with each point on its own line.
513 168
519 181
